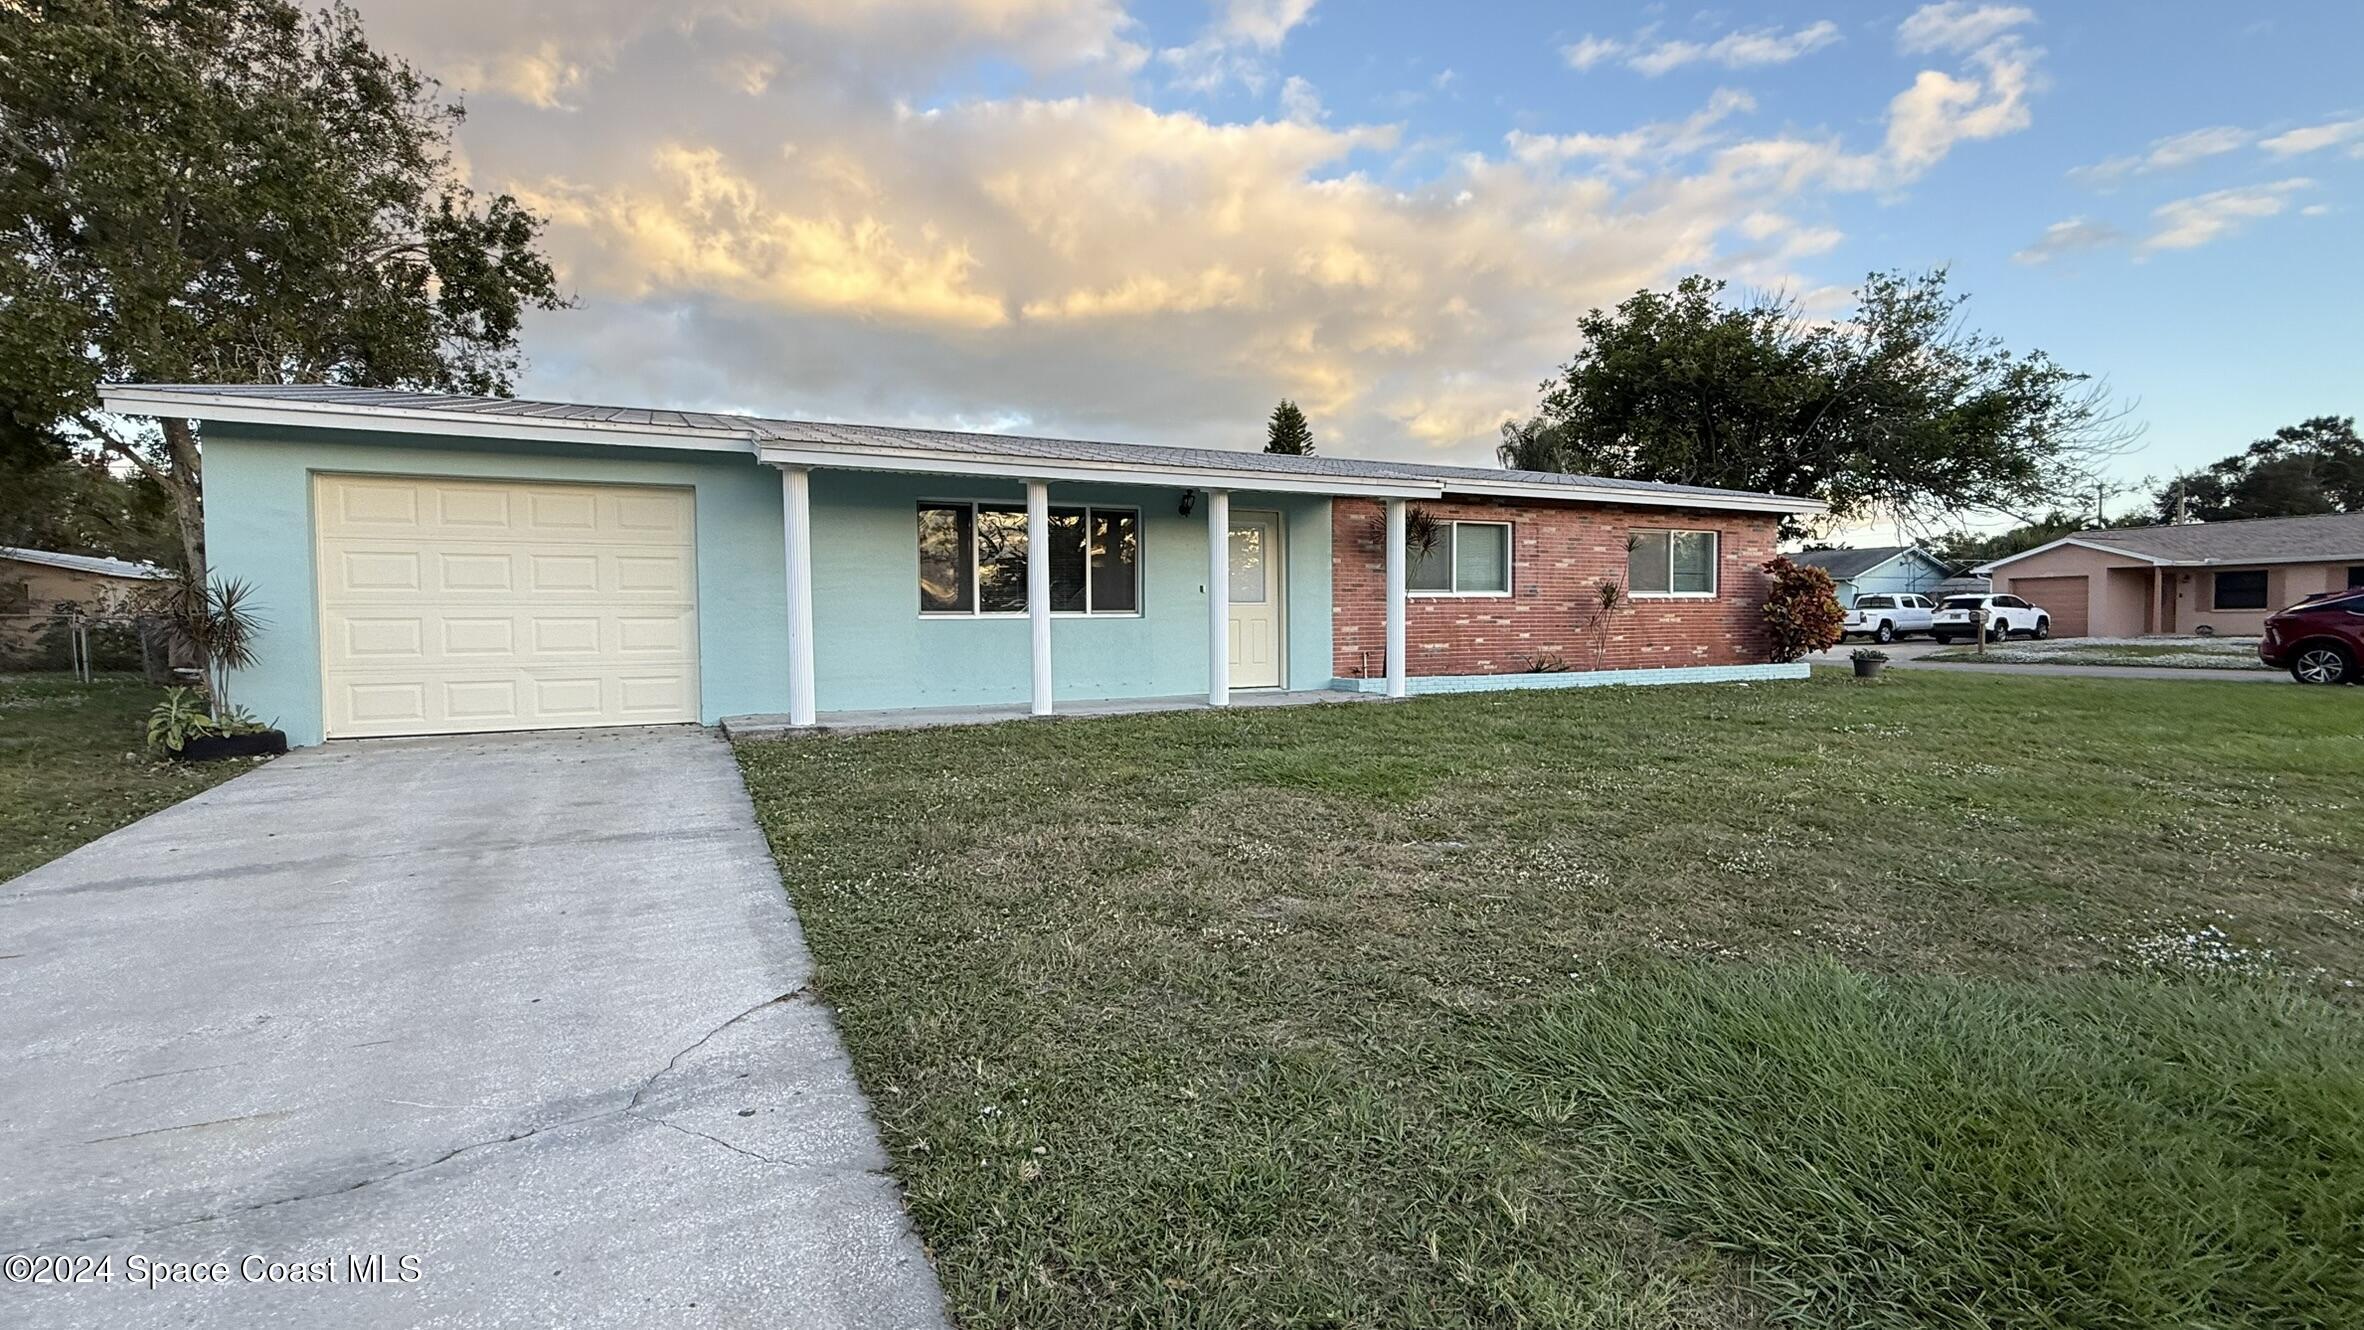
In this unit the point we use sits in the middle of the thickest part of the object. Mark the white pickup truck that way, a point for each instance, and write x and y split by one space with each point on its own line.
1884 618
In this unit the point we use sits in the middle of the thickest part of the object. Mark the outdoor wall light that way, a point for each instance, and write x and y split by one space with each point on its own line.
1189 501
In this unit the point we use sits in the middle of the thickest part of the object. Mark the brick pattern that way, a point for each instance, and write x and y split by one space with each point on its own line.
1559 554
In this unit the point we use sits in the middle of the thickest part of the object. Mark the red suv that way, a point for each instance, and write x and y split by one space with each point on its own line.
2320 639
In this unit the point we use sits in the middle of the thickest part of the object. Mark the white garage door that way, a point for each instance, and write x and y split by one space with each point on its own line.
456 605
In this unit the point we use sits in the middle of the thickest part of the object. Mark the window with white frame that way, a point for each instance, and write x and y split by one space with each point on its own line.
972 559
1671 563
1467 559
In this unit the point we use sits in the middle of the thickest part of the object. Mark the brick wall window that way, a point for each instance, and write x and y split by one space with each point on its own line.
1468 559
1672 563
1560 553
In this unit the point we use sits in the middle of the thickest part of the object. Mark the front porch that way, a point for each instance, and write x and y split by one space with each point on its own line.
923 718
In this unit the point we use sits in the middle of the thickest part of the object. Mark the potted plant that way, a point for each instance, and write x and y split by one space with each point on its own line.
183 727
1869 662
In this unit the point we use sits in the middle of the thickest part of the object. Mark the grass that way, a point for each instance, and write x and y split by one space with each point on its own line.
1652 1007
2190 653
74 765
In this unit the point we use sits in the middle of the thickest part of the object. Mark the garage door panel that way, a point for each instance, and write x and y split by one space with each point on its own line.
454 606
2063 598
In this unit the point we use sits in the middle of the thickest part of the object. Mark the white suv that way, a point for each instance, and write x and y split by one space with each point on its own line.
1884 618
2005 615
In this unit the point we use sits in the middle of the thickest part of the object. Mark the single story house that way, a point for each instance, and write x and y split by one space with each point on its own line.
437 564
1880 570
38 586
2220 577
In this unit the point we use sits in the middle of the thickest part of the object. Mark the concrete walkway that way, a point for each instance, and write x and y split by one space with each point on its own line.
530 1010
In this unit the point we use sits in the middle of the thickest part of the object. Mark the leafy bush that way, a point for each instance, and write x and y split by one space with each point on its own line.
1802 610
1867 653
180 717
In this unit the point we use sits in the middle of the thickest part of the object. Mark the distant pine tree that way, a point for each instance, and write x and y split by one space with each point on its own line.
1288 432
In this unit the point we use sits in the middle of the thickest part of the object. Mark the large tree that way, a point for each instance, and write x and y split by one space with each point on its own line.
1897 412
2315 466
1287 431
231 191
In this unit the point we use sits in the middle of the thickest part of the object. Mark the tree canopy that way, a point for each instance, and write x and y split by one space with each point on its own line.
2315 466
231 191
1896 412
1288 432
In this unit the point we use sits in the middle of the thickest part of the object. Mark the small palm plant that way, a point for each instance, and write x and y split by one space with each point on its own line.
215 621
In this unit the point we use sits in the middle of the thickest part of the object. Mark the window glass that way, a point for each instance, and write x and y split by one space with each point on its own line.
1431 569
1646 567
1067 560
1695 562
2356 575
1116 562
1481 557
946 581
2244 590
1961 602
1249 560
1873 603
1001 559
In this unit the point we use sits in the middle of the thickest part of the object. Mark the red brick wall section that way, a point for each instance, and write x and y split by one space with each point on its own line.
1559 554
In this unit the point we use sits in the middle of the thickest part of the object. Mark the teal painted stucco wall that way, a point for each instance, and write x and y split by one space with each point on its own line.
1908 574
872 648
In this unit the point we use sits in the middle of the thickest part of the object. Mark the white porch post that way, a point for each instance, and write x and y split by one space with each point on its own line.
1395 598
1038 588
1218 598
796 525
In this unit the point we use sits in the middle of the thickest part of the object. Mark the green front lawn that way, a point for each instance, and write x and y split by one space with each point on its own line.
74 765
1942 1000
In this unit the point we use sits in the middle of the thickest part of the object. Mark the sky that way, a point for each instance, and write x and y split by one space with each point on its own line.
1150 221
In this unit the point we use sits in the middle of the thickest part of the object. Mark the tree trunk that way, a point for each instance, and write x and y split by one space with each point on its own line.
185 485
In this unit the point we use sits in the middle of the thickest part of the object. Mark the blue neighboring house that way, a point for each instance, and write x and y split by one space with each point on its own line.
1883 570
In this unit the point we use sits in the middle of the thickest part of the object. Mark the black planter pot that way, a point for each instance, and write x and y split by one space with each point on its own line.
1869 669
262 743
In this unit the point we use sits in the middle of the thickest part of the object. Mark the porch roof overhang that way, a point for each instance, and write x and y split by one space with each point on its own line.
884 448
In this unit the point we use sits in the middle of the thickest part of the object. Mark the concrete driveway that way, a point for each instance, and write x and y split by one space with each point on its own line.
528 1010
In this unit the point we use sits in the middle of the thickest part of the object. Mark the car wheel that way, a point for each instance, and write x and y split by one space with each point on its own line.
2043 629
1942 639
1998 631
1885 634
2322 664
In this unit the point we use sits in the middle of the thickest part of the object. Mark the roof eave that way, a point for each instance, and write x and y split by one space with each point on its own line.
135 400
1726 501
855 458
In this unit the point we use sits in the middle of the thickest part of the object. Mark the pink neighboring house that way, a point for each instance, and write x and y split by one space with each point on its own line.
2220 577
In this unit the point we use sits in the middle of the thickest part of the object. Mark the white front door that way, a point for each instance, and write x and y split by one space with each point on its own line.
1256 592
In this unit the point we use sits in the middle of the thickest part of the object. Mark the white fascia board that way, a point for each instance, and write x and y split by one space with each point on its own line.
1988 569
1100 473
243 410
1743 503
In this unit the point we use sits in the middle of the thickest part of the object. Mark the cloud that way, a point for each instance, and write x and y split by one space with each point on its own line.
1237 45
782 206
1300 102
2314 138
1746 49
1958 27
1987 100
2190 223
2166 154
2077 235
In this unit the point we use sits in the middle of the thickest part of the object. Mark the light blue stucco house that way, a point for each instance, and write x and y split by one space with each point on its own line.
1881 570
437 564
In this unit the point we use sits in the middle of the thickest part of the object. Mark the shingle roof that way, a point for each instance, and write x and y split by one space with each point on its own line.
2330 536
1843 564
887 437
85 563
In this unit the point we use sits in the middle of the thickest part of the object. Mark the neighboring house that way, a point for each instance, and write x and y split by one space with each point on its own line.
435 564
2222 577
1882 570
1969 584
38 586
